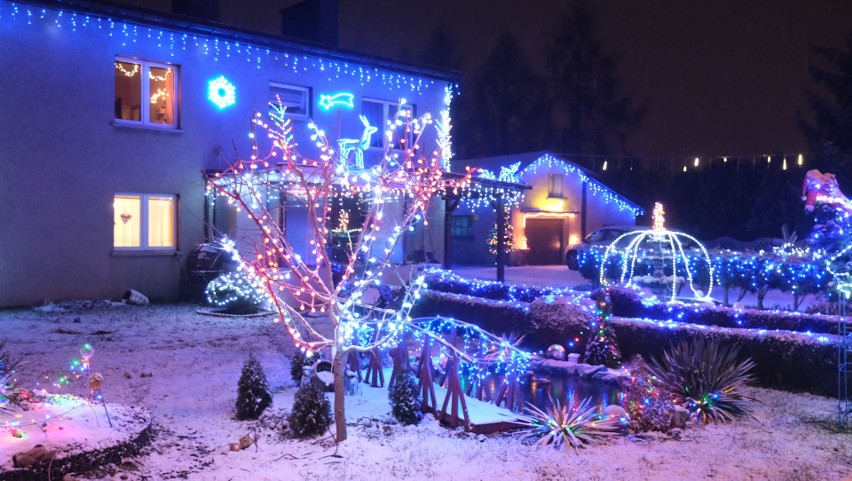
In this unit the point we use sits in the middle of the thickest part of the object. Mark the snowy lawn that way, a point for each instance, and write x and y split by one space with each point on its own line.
183 367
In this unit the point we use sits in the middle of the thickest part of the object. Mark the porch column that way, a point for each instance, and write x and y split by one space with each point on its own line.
450 205
501 241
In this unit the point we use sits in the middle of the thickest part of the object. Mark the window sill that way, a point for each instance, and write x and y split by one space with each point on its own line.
133 125
144 253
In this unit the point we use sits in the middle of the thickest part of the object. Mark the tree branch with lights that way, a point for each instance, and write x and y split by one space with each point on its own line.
303 290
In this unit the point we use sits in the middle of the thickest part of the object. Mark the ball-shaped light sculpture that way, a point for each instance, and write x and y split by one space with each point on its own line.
555 351
667 239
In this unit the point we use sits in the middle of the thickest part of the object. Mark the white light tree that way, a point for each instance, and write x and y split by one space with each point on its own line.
397 191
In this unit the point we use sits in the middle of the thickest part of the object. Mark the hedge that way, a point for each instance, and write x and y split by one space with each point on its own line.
785 360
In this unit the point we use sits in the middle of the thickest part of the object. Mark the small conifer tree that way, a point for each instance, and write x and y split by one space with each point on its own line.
252 391
601 347
311 413
405 406
297 363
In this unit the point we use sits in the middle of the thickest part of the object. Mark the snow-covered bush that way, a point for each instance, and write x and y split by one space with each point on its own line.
252 391
625 302
405 405
557 320
311 415
235 294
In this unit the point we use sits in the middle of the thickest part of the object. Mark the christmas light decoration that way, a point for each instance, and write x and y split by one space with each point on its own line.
254 51
221 92
508 236
549 163
299 284
664 240
342 99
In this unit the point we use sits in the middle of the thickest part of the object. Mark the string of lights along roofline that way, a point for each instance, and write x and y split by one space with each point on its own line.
783 162
175 41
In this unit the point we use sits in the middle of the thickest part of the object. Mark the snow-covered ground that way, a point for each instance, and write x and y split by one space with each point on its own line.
183 367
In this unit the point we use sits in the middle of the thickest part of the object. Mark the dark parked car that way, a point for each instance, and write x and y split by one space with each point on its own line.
600 237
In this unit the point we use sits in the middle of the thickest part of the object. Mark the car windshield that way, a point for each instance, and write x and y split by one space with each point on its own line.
595 236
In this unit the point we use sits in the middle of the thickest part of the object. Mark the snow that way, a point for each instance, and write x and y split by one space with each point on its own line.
64 421
191 364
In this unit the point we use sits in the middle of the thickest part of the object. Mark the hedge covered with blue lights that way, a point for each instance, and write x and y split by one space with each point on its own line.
794 351
785 360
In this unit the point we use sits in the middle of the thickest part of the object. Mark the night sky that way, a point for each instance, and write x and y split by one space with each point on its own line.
719 77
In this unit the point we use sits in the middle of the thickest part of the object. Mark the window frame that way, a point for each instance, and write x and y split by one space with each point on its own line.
145 107
387 105
551 181
144 220
307 98
468 232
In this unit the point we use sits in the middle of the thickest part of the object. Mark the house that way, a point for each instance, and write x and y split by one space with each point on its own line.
111 115
564 204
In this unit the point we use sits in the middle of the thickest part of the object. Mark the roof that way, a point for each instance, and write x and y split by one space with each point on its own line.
529 160
207 28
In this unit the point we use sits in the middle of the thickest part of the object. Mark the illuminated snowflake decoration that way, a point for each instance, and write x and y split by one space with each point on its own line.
664 239
221 92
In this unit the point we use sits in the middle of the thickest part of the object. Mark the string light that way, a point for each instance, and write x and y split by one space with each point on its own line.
176 41
221 92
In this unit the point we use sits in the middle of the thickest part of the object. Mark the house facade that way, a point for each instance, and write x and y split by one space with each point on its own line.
110 116
563 205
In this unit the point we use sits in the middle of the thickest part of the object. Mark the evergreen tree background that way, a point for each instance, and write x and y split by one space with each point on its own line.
597 118
253 395
405 405
601 347
311 414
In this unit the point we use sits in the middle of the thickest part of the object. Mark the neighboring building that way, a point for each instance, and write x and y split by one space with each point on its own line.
564 204
110 116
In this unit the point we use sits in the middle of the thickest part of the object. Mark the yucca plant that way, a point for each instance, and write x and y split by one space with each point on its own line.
569 423
706 378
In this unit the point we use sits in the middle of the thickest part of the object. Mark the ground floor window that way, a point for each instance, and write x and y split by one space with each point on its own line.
145 221
462 226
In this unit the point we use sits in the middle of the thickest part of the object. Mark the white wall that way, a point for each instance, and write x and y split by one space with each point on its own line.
62 160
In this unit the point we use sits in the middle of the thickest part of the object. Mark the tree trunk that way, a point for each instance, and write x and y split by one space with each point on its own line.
339 368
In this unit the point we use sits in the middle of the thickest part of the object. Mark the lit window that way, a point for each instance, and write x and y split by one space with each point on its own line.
296 99
144 221
383 113
136 80
555 182
461 226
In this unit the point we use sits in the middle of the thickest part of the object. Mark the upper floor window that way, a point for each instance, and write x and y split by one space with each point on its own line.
554 187
146 92
145 221
295 98
383 114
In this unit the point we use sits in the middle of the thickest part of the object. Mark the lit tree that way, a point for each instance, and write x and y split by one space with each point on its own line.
508 236
397 191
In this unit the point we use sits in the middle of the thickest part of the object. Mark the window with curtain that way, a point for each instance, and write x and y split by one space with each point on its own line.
144 221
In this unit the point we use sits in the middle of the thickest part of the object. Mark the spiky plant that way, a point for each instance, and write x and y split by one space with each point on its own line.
8 389
706 378
570 423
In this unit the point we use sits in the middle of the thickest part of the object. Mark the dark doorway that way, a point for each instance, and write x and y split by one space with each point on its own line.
544 238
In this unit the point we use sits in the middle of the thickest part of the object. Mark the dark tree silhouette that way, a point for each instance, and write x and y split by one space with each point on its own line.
831 102
597 118
503 110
